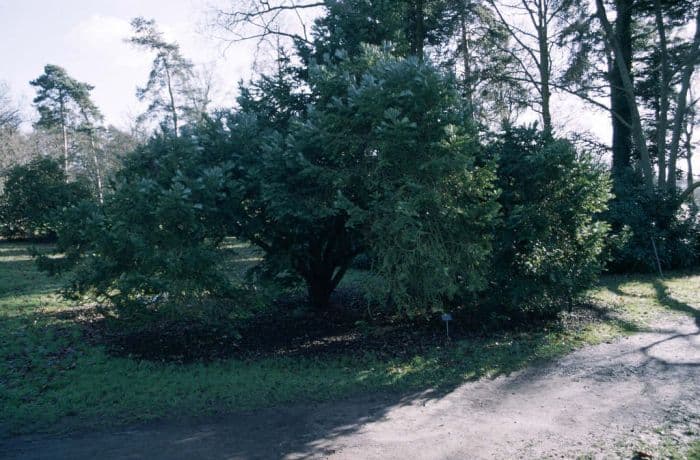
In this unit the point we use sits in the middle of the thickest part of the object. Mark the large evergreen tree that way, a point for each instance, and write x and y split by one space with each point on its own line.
380 162
64 104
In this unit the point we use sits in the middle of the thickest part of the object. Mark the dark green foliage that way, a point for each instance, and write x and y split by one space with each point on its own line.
34 198
381 162
637 218
151 250
287 188
434 206
548 249
370 156
409 26
62 100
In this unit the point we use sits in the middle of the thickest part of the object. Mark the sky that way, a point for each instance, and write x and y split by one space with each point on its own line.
86 37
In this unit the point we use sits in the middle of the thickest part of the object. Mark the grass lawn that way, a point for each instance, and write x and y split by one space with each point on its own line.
53 379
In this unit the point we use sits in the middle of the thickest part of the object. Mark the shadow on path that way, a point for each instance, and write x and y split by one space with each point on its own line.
552 403
319 430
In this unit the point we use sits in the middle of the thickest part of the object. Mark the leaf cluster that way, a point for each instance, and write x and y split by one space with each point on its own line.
34 197
550 243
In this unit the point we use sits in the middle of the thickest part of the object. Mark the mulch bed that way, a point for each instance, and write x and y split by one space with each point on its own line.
346 328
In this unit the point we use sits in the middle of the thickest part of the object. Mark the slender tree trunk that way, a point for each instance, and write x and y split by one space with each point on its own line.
98 172
660 144
93 148
689 156
625 76
688 69
64 131
662 125
420 30
622 136
466 58
173 108
544 67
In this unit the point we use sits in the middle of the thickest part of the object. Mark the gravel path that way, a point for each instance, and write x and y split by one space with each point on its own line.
600 401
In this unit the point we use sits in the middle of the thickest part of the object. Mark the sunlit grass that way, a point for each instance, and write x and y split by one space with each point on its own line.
52 379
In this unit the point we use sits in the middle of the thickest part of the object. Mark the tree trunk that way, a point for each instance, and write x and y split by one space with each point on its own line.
618 48
662 122
468 91
419 39
173 108
98 173
322 276
544 67
64 130
93 147
65 149
622 135
319 290
689 150
688 69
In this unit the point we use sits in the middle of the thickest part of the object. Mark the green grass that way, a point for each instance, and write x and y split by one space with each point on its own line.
670 448
52 380
694 452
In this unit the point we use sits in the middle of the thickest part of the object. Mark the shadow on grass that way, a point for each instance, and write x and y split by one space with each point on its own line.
49 362
365 389
650 351
653 352
607 315
664 297
317 429
21 278
614 284
661 294
19 275
327 364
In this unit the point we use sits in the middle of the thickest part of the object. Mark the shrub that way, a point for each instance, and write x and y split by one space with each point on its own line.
34 196
549 246
638 218
434 204
150 253
381 162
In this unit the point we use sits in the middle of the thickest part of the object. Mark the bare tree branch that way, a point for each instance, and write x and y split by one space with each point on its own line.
264 18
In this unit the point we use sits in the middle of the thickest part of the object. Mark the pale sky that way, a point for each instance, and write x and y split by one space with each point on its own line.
86 37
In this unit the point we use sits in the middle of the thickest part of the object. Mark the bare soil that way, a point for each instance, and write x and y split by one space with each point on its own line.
603 401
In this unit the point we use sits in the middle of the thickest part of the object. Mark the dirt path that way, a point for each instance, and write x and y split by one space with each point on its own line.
600 401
